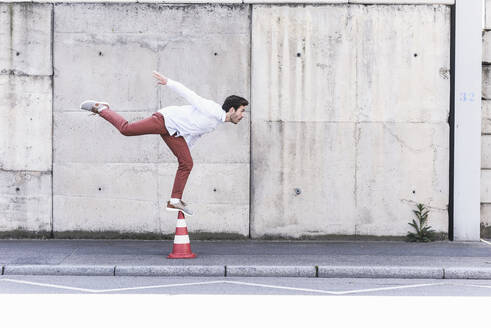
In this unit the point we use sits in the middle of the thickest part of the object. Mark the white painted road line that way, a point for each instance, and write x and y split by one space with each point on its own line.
336 292
109 290
388 288
321 291
160 286
279 287
482 286
48 285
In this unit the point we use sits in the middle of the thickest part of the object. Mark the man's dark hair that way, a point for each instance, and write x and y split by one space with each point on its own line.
235 102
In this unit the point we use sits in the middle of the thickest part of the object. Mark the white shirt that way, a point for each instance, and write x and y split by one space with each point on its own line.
191 121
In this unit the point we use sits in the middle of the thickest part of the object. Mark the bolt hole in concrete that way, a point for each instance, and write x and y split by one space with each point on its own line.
100 188
297 191
414 191
216 54
17 189
214 189
100 53
415 55
17 53
299 54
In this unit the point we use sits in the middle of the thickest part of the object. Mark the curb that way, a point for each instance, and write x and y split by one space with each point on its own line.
270 271
380 272
468 273
168 271
60 270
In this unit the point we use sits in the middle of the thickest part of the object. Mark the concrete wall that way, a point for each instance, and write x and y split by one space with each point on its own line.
486 126
25 117
349 104
355 117
105 181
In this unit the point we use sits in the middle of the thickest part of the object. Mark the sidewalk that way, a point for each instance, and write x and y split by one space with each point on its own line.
348 259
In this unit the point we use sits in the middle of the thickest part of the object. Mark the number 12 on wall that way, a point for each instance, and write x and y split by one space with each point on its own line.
467 96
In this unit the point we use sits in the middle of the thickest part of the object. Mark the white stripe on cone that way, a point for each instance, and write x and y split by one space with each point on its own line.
179 239
181 223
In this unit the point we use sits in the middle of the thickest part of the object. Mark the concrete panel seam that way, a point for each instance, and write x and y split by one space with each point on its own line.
443 269
286 2
389 121
352 2
71 109
135 163
16 72
24 171
250 118
52 223
394 2
113 198
225 272
404 2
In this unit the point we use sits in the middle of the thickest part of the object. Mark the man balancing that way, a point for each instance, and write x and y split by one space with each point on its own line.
179 126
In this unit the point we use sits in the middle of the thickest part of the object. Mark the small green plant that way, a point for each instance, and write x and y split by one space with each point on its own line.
423 233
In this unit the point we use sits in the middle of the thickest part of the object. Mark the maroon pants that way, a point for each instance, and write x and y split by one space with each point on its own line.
155 124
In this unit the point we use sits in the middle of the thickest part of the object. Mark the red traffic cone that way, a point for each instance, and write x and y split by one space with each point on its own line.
182 246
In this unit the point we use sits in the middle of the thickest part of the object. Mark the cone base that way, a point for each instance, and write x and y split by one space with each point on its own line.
181 256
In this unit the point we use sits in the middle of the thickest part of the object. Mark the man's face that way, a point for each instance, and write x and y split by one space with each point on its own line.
237 115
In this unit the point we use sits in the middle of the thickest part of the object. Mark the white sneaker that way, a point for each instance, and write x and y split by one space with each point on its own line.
94 106
179 207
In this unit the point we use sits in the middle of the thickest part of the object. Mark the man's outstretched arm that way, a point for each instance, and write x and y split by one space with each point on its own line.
187 94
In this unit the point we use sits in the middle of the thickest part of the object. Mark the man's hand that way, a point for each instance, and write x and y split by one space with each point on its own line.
161 79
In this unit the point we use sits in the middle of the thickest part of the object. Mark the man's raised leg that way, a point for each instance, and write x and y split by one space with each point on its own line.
152 125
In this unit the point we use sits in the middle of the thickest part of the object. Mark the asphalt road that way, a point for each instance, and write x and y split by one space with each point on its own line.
241 286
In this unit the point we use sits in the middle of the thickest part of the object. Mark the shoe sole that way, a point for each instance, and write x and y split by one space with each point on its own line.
178 210
98 102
